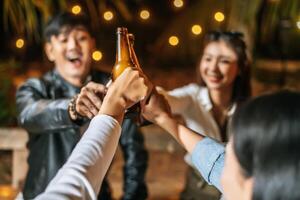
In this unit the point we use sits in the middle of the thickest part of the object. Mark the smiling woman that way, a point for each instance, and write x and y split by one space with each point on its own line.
207 106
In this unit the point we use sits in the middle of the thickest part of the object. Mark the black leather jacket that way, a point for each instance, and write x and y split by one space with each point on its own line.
42 106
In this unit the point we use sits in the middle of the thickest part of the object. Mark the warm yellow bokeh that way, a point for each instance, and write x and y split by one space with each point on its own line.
76 9
20 43
219 16
7 192
145 14
97 55
108 15
298 24
178 3
196 29
173 40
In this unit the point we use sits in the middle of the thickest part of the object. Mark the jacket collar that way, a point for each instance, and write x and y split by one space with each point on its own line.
62 82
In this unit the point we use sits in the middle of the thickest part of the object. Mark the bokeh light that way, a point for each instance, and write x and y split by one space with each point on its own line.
196 29
76 9
173 40
145 14
108 15
178 3
20 43
97 55
219 16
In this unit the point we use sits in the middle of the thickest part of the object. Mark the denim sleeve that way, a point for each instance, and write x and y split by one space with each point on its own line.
208 158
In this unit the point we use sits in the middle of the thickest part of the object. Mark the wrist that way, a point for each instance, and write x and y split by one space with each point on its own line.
163 119
114 107
73 114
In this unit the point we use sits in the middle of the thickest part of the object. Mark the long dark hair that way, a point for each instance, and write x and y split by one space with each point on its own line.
241 85
266 141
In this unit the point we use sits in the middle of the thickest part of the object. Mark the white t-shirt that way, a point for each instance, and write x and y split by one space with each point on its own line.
193 103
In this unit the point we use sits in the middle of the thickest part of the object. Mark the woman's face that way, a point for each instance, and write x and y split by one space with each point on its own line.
218 66
234 184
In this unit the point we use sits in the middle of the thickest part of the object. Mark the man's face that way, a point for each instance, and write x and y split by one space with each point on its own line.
71 52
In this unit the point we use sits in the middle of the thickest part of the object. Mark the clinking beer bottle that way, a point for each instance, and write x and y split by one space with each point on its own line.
123 61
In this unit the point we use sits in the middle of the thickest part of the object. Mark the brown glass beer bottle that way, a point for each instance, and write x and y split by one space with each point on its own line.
123 61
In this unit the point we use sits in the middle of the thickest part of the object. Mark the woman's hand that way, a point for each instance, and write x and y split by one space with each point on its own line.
156 109
128 89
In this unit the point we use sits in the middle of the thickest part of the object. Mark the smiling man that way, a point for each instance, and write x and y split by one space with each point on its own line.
56 108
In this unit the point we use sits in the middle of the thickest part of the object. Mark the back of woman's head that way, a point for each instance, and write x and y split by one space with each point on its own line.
234 40
266 138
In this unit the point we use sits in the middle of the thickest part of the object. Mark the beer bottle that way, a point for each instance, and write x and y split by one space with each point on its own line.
132 52
141 121
123 61
123 57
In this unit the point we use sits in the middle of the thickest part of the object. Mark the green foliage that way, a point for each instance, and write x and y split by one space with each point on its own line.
7 101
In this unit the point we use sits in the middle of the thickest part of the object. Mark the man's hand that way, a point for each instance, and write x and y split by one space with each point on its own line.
89 99
156 109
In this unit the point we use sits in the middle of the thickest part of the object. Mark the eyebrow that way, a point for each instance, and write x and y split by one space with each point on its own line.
227 57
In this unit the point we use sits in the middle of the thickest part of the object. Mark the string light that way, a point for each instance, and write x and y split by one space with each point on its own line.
173 40
178 3
145 14
219 16
298 24
108 15
97 55
76 9
20 43
6 192
196 29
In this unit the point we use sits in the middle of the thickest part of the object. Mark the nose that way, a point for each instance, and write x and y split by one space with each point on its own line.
213 66
72 43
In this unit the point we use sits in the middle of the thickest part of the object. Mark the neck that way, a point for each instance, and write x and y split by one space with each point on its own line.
221 97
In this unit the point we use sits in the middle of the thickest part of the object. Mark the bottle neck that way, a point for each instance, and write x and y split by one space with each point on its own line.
123 53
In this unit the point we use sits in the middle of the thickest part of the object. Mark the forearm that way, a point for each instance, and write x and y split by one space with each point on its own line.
45 115
83 173
178 104
208 157
208 154
185 136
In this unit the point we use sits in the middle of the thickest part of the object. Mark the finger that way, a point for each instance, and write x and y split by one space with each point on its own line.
96 87
88 113
88 104
94 99
84 111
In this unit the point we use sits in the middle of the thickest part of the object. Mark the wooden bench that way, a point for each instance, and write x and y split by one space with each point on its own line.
15 139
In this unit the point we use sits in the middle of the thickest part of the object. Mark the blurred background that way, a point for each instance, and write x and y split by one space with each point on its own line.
168 35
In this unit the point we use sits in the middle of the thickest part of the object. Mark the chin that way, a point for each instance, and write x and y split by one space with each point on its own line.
214 86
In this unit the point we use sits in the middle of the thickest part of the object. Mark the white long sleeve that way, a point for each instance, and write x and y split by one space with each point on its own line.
82 174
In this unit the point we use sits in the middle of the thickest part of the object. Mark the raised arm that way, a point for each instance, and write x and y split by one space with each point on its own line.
82 175
179 99
37 113
208 155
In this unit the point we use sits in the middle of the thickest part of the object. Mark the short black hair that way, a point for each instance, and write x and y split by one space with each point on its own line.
266 142
65 20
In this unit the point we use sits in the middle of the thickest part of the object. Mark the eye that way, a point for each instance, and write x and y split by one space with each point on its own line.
207 58
225 61
82 37
63 39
